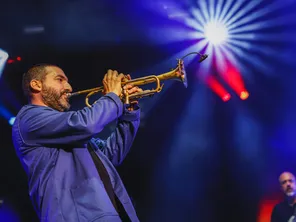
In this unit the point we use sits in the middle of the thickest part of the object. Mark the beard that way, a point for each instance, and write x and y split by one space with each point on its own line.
54 99
290 193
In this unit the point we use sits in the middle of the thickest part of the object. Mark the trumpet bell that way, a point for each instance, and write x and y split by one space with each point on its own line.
182 72
178 74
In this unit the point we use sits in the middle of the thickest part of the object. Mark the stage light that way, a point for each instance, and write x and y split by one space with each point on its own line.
13 60
216 33
11 120
226 97
216 87
4 112
231 75
3 58
244 95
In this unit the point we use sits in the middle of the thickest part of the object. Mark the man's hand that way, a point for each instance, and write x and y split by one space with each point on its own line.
130 90
112 82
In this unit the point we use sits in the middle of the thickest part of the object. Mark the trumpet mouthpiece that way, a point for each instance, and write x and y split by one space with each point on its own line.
69 95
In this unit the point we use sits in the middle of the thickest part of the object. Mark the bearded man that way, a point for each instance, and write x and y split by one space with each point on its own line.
71 174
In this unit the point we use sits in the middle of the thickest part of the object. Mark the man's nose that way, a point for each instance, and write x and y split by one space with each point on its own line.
68 87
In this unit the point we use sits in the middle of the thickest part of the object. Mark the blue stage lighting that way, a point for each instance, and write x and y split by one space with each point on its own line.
11 120
216 33
3 58
4 112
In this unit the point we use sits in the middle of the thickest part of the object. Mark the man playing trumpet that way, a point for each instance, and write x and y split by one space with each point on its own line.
71 174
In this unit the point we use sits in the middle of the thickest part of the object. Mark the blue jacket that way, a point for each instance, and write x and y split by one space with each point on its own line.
64 184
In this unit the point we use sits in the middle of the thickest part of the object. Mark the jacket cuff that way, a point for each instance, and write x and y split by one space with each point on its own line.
130 115
117 101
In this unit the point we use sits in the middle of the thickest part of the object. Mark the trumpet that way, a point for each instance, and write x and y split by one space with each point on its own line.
178 74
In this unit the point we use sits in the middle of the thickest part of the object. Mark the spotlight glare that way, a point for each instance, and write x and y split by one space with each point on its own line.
11 120
244 95
226 97
218 88
3 58
216 33
9 61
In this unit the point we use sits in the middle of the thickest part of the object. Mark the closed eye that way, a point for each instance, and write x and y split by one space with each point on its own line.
60 78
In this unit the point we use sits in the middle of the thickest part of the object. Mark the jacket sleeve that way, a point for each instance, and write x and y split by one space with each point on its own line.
46 126
120 141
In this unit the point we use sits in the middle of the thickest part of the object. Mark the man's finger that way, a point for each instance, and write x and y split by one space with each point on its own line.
114 74
128 86
134 89
109 74
120 77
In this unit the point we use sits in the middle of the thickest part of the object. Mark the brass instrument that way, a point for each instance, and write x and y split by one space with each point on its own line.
177 74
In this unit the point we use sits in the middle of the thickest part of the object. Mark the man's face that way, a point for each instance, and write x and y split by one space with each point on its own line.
55 88
287 183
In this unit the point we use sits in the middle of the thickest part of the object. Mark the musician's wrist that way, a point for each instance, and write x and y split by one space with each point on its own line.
134 105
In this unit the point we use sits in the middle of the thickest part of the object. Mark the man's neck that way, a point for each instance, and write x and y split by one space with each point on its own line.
36 101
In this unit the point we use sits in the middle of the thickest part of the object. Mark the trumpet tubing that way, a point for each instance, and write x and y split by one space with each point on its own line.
177 74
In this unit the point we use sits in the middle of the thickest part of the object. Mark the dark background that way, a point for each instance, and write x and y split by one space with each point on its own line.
195 158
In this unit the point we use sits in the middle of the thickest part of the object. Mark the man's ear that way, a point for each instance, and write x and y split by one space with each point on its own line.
36 85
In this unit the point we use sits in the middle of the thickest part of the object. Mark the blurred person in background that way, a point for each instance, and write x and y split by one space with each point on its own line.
285 210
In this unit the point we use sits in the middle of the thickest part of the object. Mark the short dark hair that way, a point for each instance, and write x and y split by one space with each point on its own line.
37 72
